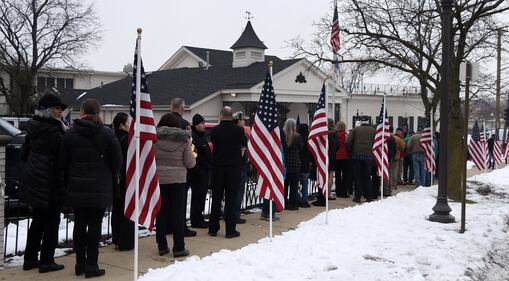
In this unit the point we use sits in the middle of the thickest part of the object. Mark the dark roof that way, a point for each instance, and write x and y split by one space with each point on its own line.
220 57
248 39
192 84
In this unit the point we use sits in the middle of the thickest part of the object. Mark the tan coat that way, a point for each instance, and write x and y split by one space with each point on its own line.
173 155
400 147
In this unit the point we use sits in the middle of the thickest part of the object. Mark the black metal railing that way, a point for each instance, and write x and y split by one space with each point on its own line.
18 217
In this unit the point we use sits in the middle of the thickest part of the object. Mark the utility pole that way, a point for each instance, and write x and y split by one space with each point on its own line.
499 62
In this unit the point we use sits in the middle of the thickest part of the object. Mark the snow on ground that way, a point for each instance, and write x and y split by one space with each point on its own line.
470 165
384 240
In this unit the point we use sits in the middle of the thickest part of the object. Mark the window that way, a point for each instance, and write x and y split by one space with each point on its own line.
69 83
50 82
240 55
256 55
41 83
60 83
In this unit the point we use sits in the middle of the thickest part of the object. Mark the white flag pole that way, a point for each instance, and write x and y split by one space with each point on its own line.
383 152
137 156
270 200
432 144
334 74
484 152
325 189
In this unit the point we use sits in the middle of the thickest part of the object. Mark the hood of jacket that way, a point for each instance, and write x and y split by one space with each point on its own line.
86 127
37 126
172 138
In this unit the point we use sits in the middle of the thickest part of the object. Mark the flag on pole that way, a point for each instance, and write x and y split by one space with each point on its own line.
478 148
334 36
428 147
264 148
497 152
381 152
149 196
317 141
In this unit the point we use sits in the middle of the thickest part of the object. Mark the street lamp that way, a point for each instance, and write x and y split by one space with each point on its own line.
441 209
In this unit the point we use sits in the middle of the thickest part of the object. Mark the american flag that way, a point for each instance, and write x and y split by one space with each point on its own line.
428 147
264 148
380 153
318 141
478 148
149 196
334 36
497 152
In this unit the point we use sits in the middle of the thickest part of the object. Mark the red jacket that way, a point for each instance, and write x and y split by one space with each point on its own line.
342 153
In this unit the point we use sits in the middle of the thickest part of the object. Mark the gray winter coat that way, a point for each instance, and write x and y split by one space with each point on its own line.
173 154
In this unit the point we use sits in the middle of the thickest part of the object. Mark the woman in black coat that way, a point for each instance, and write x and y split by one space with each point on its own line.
42 185
122 227
91 155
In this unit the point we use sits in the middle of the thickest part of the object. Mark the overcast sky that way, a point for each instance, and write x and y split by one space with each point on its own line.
168 25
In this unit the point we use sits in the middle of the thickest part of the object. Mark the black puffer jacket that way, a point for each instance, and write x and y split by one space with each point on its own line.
90 152
42 183
203 161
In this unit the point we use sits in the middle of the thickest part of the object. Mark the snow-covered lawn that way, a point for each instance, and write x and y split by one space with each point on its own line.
384 240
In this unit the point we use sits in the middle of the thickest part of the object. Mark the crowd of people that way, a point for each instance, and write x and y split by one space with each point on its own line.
83 166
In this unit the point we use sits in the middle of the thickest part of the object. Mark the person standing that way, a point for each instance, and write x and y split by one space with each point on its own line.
360 145
391 150
292 152
333 139
408 169
227 140
343 180
42 184
91 155
240 120
177 108
398 158
305 164
414 147
174 155
122 228
199 175
491 145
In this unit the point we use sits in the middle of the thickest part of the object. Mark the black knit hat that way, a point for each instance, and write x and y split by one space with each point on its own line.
197 119
50 100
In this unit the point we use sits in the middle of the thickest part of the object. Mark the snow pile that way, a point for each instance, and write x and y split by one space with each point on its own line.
384 240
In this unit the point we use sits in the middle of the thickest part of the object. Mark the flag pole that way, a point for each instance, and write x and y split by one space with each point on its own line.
484 152
383 151
137 157
326 187
432 144
270 200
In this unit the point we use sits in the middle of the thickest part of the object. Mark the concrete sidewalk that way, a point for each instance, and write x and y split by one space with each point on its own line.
119 265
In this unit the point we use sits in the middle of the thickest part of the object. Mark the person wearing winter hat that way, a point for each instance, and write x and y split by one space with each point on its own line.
42 183
199 175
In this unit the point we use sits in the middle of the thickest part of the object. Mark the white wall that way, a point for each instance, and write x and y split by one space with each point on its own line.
298 109
209 110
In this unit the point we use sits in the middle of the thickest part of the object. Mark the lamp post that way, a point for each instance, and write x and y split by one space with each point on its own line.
441 208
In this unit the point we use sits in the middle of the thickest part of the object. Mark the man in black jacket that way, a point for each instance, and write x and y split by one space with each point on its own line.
199 175
491 158
42 185
227 140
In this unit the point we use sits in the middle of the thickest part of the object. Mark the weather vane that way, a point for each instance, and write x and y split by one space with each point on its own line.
249 15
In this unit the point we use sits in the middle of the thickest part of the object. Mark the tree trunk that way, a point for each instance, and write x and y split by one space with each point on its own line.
21 93
455 161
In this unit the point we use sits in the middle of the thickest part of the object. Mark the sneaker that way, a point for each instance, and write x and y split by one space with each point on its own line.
189 233
164 251
43 268
241 221
27 265
92 271
183 253
233 234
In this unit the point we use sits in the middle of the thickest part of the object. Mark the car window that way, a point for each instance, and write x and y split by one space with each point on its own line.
7 128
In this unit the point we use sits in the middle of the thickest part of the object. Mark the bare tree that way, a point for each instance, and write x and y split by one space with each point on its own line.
405 36
36 34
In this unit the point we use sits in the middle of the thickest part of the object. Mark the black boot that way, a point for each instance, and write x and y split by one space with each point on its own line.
92 271
79 269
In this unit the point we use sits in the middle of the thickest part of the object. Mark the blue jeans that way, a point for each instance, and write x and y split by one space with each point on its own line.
419 172
304 182
265 208
240 195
